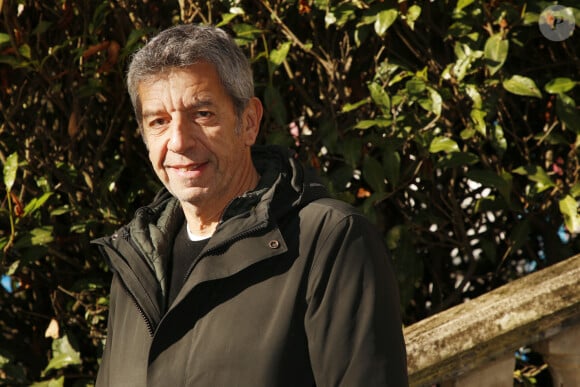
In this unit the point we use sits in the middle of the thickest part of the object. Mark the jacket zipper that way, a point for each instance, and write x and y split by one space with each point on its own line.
141 312
125 235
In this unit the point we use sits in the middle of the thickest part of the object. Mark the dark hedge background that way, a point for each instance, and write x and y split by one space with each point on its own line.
452 124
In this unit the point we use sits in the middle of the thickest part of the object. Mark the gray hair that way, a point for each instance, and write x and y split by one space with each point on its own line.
184 45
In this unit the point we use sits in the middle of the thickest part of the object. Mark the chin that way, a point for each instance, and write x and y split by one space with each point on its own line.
191 196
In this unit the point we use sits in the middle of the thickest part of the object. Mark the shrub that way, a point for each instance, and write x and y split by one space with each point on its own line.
452 124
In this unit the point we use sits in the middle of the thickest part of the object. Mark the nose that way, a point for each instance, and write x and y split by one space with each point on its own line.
181 136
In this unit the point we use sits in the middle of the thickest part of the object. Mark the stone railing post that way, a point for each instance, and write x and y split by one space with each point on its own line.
562 354
498 372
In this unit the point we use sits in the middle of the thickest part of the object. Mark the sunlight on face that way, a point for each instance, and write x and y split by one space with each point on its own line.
199 149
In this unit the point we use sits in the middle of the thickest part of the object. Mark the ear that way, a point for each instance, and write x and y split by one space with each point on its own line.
251 119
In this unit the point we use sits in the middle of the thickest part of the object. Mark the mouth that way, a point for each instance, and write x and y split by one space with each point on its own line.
186 169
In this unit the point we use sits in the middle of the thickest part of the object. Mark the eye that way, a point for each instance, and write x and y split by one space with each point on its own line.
204 117
158 122
204 114
156 125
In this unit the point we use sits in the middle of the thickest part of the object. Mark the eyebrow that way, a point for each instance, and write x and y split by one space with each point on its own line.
199 103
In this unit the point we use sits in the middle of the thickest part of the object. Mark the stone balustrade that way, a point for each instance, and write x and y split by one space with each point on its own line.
473 344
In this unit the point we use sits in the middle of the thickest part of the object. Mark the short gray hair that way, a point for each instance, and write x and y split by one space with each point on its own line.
184 45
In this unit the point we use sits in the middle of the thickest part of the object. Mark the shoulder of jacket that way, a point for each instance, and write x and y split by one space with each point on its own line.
331 211
332 205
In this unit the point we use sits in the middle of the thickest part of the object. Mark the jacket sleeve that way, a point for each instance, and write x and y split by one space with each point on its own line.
353 322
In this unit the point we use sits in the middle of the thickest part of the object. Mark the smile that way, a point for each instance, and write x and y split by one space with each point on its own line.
187 170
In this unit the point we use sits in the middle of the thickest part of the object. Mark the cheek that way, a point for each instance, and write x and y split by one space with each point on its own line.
156 156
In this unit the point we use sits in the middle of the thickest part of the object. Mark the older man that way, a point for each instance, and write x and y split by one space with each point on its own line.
242 272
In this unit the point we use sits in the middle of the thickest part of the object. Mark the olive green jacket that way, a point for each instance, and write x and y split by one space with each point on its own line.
293 289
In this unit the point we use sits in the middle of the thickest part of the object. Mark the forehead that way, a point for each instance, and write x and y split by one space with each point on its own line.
183 85
200 73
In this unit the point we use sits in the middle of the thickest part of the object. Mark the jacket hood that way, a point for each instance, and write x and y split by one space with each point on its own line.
285 184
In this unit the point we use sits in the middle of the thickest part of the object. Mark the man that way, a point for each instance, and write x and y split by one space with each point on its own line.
242 272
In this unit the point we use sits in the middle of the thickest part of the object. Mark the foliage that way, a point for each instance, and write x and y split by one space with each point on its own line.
452 124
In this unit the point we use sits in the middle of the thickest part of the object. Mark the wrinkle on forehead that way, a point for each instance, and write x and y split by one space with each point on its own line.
170 93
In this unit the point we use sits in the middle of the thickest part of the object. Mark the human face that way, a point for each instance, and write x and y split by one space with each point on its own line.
198 147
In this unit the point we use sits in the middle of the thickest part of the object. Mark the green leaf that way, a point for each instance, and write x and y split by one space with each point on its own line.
329 19
560 85
392 165
379 122
569 209
36 203
567 112
498 140
4 38
489 250
42 27
61 210
385 19
520 235
226 19
463 51
42 235
380 97
496 52
348 107
490 203
478 119
462 4
415 86
436 101
10 168
13 267
491 179
530 18
12 61
475 95
24 50
523 86
459 29
408 263
341 14
39 236
537 174
467 133
50 383
575 190
63 355
278 55
399 77
373 174
413 14
245 33
457 159
4 360
443 144
351 151
135 37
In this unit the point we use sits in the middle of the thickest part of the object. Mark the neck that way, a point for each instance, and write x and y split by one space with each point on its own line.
203 224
